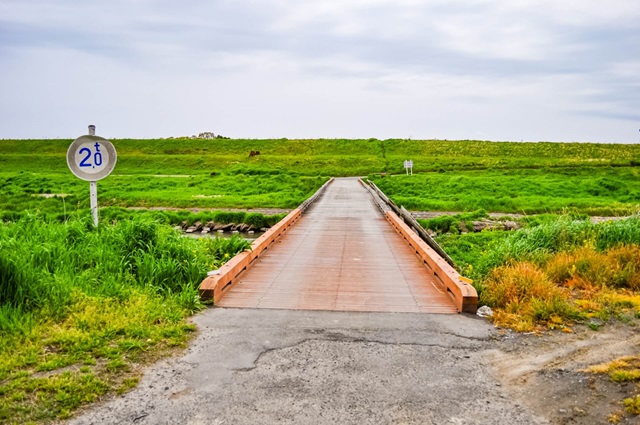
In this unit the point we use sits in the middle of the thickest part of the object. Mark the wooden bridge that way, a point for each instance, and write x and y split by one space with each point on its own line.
342 253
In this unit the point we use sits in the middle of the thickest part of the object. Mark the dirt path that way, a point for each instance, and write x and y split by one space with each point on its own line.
546 372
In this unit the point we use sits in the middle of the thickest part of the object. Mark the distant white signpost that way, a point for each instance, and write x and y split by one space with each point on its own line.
408 166
92 158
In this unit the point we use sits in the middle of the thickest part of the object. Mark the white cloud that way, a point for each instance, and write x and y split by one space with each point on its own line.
355 68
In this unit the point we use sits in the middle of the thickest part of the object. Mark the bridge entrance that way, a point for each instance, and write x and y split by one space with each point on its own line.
341 255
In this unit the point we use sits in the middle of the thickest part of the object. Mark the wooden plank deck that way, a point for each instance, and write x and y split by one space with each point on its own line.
341 255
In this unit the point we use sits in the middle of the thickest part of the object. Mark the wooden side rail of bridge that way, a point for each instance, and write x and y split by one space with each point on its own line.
343 255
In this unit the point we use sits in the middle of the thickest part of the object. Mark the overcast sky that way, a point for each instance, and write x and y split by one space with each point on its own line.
558 70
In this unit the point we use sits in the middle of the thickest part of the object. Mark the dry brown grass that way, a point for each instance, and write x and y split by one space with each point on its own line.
565 287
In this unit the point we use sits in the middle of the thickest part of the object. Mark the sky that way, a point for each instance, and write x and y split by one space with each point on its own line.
531 70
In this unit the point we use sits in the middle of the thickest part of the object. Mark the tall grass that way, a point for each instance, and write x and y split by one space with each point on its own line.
554 272
564 234
42 263
566 286
95 299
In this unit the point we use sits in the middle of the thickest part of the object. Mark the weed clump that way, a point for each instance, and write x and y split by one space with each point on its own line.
622 370
632 405
523 296
11 280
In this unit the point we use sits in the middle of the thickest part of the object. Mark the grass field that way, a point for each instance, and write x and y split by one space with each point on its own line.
450 175
24 191
592 190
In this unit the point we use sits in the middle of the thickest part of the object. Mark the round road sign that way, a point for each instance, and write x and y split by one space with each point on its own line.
91 158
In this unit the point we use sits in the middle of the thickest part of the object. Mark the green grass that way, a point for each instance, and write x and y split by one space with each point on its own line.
451 175
22 191
592 190
80 306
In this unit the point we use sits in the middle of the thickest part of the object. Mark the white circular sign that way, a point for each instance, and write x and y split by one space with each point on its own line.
91 158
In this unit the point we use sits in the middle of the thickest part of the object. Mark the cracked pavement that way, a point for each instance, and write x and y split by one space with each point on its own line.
252 366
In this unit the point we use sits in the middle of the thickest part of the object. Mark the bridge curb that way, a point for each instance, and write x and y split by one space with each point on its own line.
463 294
215 287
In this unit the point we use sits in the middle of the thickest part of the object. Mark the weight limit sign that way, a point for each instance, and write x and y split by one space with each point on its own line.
91 158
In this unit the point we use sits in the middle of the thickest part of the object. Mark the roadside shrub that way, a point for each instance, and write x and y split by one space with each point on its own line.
510 287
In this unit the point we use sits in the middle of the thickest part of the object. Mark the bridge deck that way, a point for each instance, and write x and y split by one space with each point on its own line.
341 255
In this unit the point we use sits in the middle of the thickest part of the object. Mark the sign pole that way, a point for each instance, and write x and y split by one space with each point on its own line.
93 199
91 158
93 189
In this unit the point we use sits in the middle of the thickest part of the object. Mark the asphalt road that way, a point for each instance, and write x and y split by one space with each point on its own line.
250 366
